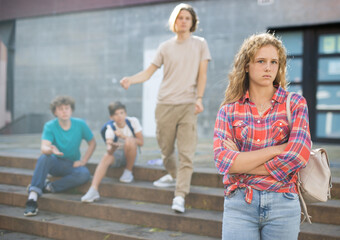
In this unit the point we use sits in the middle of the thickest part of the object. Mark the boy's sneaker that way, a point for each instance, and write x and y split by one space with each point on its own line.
91 196
178 204
31 208
165 181
126 177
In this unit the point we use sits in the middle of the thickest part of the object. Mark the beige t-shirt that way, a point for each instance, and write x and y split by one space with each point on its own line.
181 65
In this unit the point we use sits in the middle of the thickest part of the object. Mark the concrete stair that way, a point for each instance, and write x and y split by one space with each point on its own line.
133 211
9 235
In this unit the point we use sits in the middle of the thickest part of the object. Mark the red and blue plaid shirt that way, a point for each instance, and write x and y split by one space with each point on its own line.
241 122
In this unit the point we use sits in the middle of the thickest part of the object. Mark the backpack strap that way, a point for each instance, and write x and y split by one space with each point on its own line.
103 130
132 130
111 122
130 126
304 210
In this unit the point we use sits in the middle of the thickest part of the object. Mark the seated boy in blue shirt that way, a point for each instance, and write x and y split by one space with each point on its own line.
123 135
60 147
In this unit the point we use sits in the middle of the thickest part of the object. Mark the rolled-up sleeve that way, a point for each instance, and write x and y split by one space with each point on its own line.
223 157
284 166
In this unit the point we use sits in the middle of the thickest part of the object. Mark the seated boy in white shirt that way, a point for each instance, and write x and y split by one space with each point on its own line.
123 135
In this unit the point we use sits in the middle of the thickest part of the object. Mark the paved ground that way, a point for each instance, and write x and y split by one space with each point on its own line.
29 145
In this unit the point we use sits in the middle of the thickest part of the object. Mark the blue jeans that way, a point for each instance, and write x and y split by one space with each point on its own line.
49 164
270 216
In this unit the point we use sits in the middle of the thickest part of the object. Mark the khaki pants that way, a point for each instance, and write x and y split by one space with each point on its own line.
177 122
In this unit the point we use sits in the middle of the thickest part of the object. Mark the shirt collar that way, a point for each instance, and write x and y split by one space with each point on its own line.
279 95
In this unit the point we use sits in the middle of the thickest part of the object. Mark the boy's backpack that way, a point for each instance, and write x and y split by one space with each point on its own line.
111 123
314 180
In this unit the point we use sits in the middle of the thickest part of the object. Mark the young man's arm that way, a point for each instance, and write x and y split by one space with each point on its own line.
201 82
48 149
139 77
90 149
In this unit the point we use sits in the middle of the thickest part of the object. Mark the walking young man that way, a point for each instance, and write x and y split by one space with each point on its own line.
185 58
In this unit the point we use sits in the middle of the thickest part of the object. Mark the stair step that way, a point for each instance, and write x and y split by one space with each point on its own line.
199 197
61 226
154 216
327 213
208 177
145 173
9 235
137 210
208 223
318 231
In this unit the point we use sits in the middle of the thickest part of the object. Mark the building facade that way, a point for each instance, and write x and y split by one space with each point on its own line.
83 51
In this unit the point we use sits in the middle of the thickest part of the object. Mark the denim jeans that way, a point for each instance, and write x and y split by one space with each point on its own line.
70 176
270 216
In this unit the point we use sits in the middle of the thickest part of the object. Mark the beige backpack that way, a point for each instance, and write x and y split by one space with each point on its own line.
314 180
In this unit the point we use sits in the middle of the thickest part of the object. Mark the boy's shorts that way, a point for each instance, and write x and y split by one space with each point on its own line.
120 160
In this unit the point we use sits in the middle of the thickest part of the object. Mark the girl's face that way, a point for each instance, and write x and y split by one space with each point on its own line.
264 67
63 112
183 22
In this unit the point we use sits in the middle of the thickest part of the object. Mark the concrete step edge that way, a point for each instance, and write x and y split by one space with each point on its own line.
207 178
199 197
194 221
61 226
10 235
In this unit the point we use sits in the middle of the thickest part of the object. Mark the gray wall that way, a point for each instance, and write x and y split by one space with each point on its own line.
86 54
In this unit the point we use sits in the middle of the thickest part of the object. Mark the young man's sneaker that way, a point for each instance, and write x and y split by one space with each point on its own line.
31 208
165 181
126 177
178 204
91 196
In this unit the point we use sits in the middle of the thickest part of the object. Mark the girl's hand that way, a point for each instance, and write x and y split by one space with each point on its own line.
229 144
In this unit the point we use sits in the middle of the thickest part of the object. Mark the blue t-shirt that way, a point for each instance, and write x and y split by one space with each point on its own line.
68 142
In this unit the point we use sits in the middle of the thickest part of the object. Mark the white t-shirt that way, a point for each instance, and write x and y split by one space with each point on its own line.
126 130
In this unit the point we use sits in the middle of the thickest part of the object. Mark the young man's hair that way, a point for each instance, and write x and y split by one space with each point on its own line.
62 100
238 77
177 10
113 107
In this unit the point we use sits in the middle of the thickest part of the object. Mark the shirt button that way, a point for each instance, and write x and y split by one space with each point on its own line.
258 121
280 124
258 140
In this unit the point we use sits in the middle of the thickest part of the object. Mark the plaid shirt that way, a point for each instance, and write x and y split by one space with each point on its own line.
241 122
